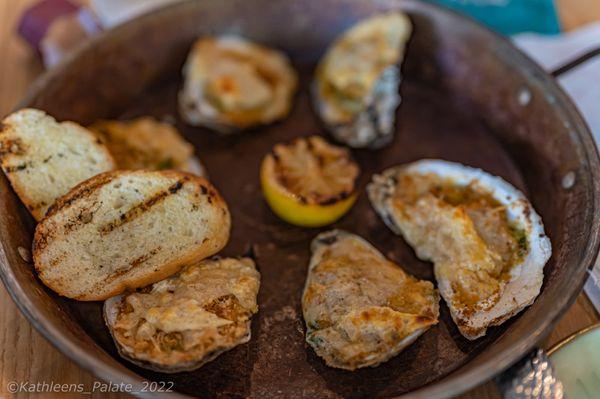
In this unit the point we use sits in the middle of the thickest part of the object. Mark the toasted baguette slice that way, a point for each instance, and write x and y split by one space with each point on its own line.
127 229
145 143
44 159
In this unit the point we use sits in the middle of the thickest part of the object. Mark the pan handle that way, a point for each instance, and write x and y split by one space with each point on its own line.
575 63
533 377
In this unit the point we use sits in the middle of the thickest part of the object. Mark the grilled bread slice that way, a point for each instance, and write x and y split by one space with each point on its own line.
145 143
44 159
127 229
187 320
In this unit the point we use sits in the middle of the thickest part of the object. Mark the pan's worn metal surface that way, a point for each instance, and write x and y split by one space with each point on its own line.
468 96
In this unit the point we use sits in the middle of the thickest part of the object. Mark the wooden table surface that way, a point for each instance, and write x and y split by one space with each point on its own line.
26 356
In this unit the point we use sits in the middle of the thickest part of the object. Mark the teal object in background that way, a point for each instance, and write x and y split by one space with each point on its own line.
510 16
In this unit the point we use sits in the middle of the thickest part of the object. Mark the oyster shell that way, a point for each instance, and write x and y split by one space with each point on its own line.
485 239
231 84
360 308
182 322
356 85
146 143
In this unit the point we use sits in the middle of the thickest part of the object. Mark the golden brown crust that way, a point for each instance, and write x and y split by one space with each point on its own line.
491 264
81 191
147 143
361 309
187 320
13 147
222 71
53 229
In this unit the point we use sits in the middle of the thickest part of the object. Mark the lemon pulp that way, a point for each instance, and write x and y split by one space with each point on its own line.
309 182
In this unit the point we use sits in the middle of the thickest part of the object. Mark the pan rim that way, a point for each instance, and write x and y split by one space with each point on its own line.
443 388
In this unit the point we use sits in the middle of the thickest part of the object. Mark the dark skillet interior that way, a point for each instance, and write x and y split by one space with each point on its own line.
431 124
465 98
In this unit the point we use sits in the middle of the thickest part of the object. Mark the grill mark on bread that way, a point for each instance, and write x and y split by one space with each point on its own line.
124 270
143 258
84 216
16 168
100 277
80 192
143 207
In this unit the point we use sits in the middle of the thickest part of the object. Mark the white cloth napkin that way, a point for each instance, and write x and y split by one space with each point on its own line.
581 83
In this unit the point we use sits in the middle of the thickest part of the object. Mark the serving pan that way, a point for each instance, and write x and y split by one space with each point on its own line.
468 96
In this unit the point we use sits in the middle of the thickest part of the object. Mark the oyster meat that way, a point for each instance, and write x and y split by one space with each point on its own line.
360 308
146 143
186 320
486 241
356 83
231 84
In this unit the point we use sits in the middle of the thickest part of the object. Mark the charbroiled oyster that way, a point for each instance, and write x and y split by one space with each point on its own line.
232 84
360 308
145 143
485 239
356 85
186 320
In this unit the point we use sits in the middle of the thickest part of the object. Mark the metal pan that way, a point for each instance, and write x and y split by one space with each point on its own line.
468 96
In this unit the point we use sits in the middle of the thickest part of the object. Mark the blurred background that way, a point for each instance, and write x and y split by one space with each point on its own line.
37 34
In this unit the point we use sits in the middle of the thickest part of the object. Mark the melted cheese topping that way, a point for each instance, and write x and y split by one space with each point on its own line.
233 81
145 143
203 310
350 69
359 307
464 231
234 84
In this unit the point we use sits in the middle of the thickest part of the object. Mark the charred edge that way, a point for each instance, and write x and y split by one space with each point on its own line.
211 195
226 307
40 242
141 208
144 290
328 239
37 206
340 197
12 146
84 190
425 319
17 168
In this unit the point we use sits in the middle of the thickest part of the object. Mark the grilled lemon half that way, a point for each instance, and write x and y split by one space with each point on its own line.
309 182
